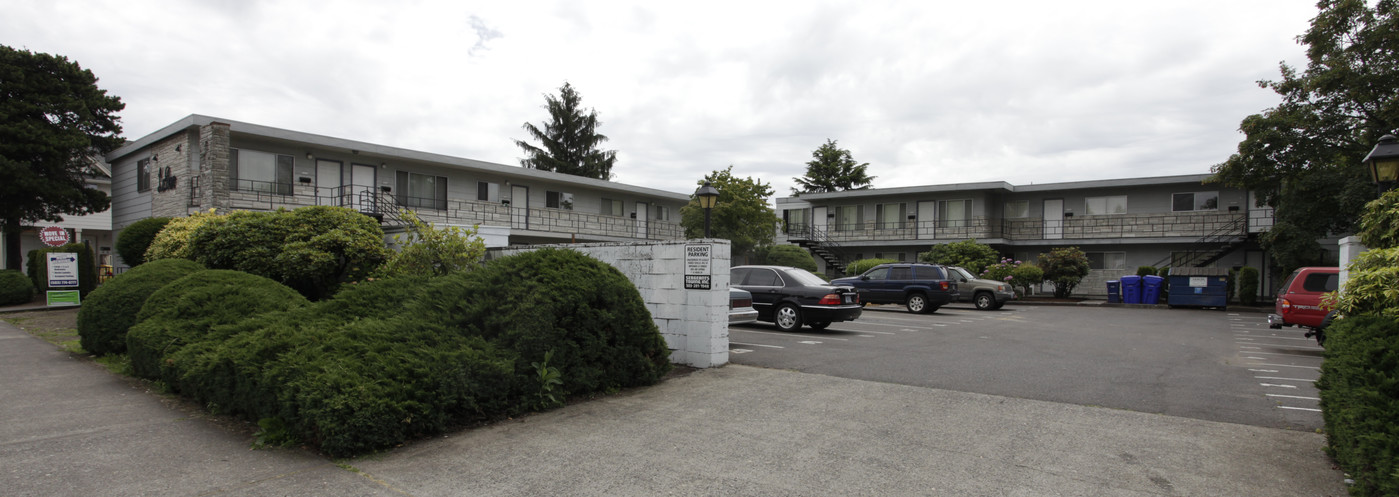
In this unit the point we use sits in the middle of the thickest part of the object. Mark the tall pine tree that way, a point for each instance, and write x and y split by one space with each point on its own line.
832 169
53 121
569 143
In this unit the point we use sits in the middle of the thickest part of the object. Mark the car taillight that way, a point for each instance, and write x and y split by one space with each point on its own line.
946 285
741 303
830 299
1286 306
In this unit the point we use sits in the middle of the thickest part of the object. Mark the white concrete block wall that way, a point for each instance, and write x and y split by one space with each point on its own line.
694 323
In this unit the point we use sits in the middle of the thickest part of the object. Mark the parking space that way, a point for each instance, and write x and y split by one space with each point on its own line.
1204 364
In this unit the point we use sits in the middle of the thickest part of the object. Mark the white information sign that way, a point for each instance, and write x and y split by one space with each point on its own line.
1199 281
697 259
63 269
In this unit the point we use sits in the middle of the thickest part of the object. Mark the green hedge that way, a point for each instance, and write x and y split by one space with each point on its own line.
188 310
136 237
15 288
859 267
111 309
785 255
1359 389
38 268
1248 286
1146 270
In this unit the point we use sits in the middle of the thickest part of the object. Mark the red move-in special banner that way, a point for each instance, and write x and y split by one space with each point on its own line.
54 236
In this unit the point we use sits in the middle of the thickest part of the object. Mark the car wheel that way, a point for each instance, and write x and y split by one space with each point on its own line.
917 303
787 318
819 325
984 301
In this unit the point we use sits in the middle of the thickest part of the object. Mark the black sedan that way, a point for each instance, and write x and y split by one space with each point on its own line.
790 297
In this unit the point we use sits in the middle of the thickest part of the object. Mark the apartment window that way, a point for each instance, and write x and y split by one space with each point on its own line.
1095 206
662 213
954 213
254 171
422 191
1017 209
1107 260
796 220
143 175
1196 201
612 207
890 216
558 200
487 191
849 217
901 257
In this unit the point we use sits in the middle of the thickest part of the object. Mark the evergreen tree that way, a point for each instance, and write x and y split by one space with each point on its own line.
53 121
570 142
832 169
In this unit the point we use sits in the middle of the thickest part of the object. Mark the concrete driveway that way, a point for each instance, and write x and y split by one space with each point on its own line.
71 428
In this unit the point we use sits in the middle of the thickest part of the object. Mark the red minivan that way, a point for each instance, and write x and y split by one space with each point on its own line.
1299 300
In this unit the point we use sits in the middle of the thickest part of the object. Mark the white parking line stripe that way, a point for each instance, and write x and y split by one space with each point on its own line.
754 345
1256 348
1264 370
1277 386
791 335
1280 378
1298 408
1284 365
1291 397
1278 353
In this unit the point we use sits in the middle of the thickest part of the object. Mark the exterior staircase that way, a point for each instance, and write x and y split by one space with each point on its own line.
820 245
1211 247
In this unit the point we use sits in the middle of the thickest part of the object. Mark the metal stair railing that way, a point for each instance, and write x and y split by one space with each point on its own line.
1209 247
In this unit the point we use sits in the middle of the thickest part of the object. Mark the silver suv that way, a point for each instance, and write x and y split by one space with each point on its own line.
985 294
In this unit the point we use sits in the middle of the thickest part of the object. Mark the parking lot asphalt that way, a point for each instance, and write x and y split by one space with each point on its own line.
72 428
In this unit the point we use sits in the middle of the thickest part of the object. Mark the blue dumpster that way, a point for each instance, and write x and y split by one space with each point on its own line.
1131 289
1114 292
1151 288
1199 287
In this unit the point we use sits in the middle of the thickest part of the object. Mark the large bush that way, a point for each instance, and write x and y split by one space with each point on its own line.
1026 276
187 310
136 237
15 288
967 254
582 310
859 267
111 309
785 255
38 268
1064 267
1359 390
1379 225
1373 286
425 250
172 241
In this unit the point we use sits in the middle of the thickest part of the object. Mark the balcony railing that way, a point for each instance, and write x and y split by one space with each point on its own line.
457 212
1165 225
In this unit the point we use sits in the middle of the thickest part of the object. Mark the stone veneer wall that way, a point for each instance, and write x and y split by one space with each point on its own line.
694 323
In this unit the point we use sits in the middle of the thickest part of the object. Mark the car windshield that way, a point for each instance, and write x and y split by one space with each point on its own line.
805 278
964 273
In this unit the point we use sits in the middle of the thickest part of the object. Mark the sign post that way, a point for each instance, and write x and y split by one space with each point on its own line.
697 267
63 273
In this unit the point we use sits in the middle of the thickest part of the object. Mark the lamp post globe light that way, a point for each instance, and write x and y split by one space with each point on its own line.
708 196
1383 163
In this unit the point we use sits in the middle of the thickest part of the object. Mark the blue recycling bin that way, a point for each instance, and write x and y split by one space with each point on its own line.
1131 289
1114 292
1151 288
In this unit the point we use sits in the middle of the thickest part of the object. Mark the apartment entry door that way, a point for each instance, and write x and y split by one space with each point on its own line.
329 182
519 207
642 209
361 187
927 220
818 219
1053 219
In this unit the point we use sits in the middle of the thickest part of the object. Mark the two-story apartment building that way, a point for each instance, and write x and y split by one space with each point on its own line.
200 163
1121 224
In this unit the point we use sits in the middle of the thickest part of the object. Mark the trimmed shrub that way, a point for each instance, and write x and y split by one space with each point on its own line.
15 288
1146 270
172 242
425 250
1026 276
111 309
859 267
1064 267
789 255
967 254
187 311
583 310
1359 401
39 270
1248 286
136 237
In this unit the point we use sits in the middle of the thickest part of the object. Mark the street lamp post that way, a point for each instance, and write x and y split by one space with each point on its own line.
1383 163
708 195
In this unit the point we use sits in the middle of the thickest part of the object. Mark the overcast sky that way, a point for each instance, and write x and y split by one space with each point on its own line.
926 92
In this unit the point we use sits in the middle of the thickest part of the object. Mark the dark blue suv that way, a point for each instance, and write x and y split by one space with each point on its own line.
921 287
